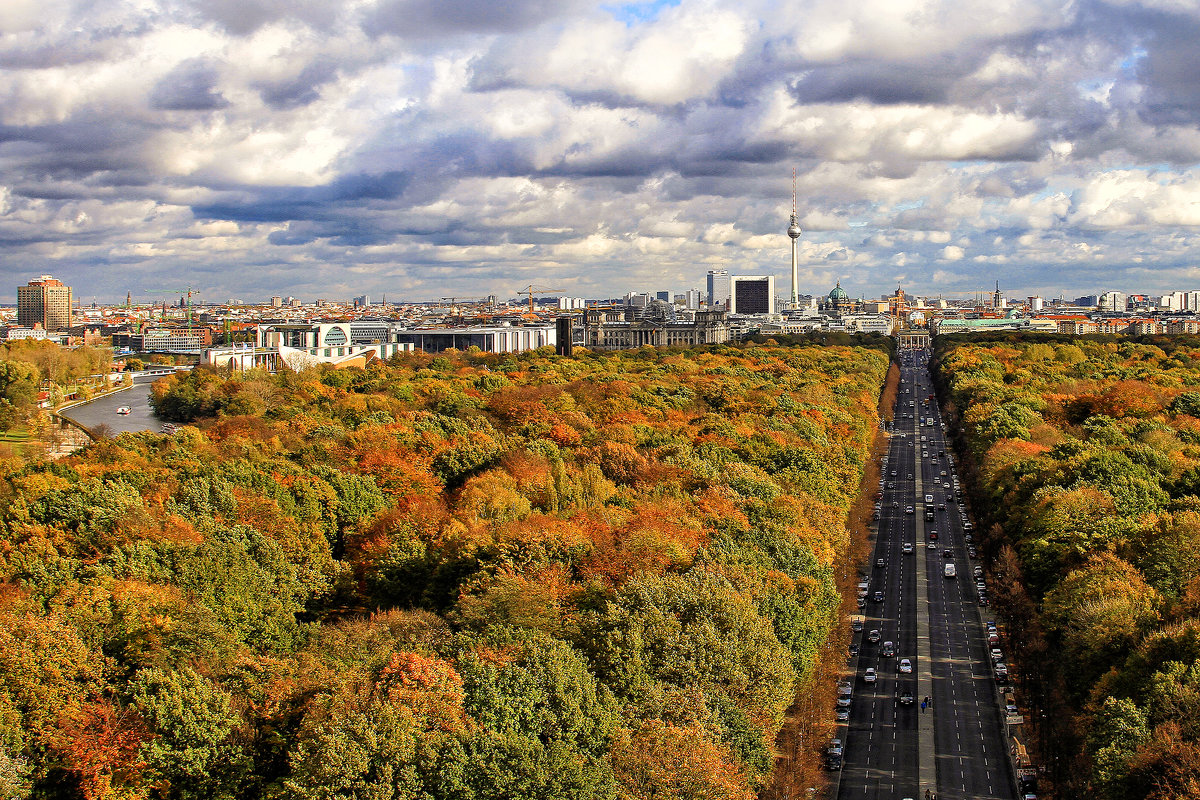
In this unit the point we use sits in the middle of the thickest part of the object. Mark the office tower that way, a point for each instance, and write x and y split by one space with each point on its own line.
718 287
44 302
751 294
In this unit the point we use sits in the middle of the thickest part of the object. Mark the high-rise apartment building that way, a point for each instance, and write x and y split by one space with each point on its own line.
44 301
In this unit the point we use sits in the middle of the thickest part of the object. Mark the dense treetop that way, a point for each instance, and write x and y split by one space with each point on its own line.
462 576
1087 455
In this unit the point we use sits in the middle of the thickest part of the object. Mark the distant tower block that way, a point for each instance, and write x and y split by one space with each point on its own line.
794 232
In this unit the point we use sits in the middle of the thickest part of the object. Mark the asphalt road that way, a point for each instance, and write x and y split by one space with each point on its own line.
956 748
104 410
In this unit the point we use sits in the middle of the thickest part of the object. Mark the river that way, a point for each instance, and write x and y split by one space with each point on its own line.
103 410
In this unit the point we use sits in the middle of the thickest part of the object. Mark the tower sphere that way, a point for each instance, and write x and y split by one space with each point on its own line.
794 228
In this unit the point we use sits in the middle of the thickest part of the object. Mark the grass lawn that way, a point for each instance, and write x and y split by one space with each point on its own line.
16 441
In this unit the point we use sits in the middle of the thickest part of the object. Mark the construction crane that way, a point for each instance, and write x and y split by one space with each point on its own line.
188 291
531 290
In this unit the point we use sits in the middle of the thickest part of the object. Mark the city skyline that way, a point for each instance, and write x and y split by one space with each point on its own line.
419 149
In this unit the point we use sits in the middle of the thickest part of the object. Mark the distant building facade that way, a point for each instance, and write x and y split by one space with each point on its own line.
44 302
164 340
492 339
751 294
615 331
718 288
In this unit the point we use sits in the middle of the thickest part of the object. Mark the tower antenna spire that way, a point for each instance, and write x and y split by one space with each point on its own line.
794 232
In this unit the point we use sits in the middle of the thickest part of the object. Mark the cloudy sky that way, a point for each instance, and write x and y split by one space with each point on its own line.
428 148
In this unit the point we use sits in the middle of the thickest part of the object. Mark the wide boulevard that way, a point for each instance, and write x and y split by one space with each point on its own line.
951 747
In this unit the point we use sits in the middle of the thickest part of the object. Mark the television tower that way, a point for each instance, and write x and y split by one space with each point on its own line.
794 232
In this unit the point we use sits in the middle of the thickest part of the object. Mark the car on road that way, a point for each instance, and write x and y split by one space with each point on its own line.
949 571
906 548
904 666
870 676
879 562
931 545
906 698
873 637
888 650
909 510
947 553
877 597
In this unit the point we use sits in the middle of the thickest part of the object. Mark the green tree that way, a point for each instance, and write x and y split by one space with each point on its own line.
195 754
1117 731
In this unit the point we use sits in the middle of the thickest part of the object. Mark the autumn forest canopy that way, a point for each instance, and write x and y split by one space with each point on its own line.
469 576
1085 457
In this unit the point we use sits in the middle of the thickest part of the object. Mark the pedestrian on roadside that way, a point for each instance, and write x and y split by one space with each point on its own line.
922 706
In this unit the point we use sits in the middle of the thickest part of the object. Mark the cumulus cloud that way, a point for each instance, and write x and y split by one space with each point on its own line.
423 147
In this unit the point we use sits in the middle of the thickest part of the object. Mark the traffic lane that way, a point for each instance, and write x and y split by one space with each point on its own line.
969 746
974 740
873 761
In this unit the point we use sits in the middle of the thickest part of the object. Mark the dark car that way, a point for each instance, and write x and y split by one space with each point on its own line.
877 597
853 649
906 698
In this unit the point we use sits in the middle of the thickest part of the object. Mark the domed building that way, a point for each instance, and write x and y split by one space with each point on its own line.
838 300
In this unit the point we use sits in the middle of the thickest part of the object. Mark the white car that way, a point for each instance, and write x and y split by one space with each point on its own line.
869 676
904 666
907 548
